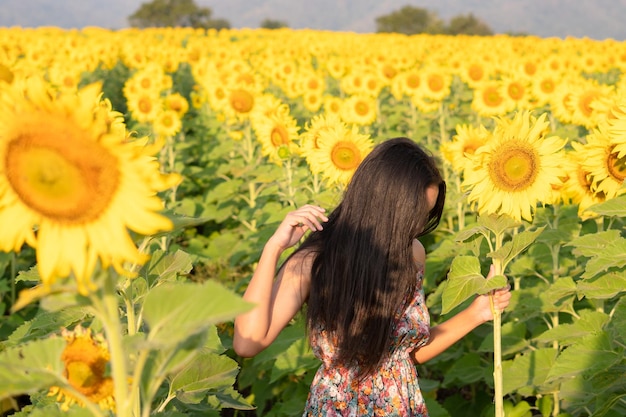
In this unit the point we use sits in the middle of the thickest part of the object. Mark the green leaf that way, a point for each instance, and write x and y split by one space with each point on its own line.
513 338
207 371
590 322
43 324
471 233
165 266
528 370
31 367
589 356
467 369
288 336
605 249
519 243
465 280
562 224
296 360
603 287
545 404
175 311
558 296
618 321
613 207
180 222
498 224
228 398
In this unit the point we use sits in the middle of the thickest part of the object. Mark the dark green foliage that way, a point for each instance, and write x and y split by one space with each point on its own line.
175 13
411 20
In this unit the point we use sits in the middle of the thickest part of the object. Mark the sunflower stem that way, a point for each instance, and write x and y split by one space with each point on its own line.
13 277
289 183
497 338
113 330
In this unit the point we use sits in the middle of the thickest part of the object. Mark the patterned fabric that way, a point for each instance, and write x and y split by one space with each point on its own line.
392 391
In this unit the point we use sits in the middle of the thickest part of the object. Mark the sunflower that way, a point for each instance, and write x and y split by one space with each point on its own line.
464 144
359 109
71 185
167 123
340 153
577 187
332 104
604 164
312 101
489 100
542 87
317 126
581 101
436 83
407 83
143 106
516 169
277 133
176 102
617 126
86 358
517 90
473 72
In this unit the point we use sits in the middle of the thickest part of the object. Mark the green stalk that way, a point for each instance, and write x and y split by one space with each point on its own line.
107 307
13 278
497 340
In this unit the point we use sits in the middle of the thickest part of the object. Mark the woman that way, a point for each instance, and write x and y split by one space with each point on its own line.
360 273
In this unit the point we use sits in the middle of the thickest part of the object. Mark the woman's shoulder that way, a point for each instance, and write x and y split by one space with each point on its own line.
419 253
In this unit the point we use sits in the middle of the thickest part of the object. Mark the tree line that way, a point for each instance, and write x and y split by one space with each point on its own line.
408 20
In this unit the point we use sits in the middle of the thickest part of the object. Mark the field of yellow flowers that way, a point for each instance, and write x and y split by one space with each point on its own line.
141 172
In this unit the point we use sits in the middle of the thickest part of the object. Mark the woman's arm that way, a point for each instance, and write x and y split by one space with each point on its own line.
451 331
277 300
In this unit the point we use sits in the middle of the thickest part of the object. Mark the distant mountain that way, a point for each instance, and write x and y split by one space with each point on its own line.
596 19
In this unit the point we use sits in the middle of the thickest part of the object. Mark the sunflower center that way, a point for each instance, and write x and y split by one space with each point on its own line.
516 91
514 168
547 86
413 81
492 97
389 72
361 108
242 101
59 174
345 155
475 72
530 68
617 167
435 83
470 146
81 375
279 136
145 105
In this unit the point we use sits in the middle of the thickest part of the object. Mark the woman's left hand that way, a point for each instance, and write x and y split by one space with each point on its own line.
482 303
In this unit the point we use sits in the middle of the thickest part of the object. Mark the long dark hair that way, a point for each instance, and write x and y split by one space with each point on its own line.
364 269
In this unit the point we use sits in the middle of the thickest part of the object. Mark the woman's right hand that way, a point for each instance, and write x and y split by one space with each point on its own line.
296 223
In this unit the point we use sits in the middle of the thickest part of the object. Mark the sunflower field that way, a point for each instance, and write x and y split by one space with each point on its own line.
142 171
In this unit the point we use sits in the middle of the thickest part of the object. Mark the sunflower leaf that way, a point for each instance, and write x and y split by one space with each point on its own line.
464 280
498 224
177 311
591 355
31 367
515 246
207 372
612 207
606 250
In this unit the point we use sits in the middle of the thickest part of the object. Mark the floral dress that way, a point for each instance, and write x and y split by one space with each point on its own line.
391 391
